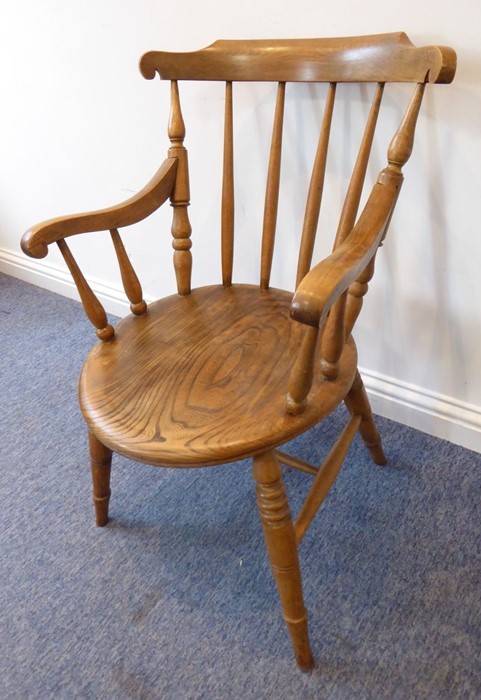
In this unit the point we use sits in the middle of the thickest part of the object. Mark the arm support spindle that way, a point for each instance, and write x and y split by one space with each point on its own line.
92 306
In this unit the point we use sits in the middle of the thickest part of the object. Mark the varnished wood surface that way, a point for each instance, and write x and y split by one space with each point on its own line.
373 58
201 379
180 195
280 538
272 189
316 188
92 306
332 276
325 477
228 197
130 281
100 466
228 372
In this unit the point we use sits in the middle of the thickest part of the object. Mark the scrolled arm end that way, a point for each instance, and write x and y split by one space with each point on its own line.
308 305
31 246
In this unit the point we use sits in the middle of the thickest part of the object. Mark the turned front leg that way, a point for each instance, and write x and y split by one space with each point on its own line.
100 463
282 550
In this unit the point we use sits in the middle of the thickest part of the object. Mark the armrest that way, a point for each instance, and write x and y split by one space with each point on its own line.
36 240
325 283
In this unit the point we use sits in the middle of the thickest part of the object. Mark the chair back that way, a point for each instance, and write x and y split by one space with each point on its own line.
377 59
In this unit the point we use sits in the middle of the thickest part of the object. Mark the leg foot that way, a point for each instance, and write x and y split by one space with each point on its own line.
282 550
357 402
100 462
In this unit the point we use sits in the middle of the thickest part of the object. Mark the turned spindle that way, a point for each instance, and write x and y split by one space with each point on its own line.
227 214
356 293
357 403
316 186
93 308
401 146
281 547
333 338
180 196
272 189
129 277
399 151
325 477
100 465
300 380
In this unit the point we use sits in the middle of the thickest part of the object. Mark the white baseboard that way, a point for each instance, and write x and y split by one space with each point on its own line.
432 413
58 279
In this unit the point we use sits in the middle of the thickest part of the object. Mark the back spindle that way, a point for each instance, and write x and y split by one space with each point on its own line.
92 306
354 191
316 186
130 280
227 215
272 190
333 337
180 197
401 146
399 152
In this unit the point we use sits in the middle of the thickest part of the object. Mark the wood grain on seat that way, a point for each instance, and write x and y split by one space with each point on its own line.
201 379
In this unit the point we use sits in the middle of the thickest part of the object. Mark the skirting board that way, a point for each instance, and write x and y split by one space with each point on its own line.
436 414
432 413
58 279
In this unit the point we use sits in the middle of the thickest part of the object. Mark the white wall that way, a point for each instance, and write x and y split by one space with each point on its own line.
81 129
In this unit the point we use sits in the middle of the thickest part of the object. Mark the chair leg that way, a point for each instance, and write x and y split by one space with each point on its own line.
100 462
282 549
357 402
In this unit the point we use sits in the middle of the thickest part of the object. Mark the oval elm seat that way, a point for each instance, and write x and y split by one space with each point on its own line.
201 379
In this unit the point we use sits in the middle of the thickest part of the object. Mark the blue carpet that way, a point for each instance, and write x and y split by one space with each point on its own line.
174 599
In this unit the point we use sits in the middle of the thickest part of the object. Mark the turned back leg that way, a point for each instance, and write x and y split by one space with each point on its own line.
282 550
100 462
357 402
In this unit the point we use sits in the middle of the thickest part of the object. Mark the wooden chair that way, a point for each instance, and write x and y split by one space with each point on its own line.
230 371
